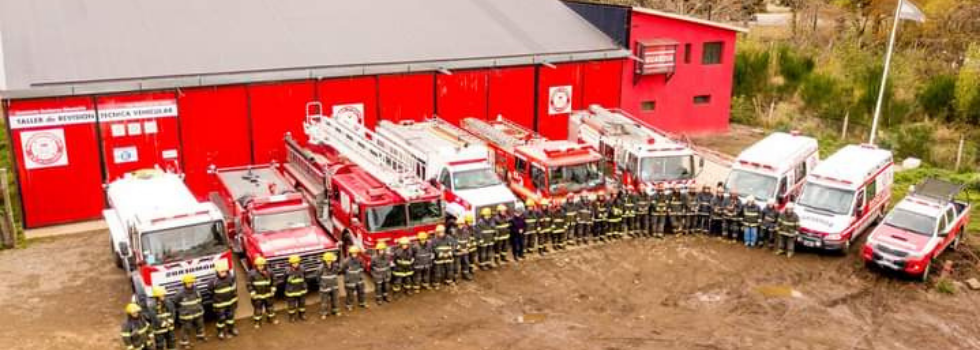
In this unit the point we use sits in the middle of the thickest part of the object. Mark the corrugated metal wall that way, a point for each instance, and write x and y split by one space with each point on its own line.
214 129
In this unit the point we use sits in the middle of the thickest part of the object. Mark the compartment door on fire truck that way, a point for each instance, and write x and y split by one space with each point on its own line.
139 132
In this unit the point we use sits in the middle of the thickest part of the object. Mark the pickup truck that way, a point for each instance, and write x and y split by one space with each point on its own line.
918 229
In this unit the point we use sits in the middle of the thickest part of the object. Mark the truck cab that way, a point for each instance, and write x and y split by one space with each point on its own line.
269 218
774 168
924 224
160 232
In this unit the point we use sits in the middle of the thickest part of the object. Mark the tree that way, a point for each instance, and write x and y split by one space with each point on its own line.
968 86
936 97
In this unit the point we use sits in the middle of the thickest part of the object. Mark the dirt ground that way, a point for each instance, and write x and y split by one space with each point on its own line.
678 293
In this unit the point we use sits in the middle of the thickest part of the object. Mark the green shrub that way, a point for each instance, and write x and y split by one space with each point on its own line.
914 140
794 68
945 286
936 97
751 72
743 112
823 94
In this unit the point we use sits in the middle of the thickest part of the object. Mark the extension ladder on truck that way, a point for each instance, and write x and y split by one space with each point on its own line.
390 163
503 133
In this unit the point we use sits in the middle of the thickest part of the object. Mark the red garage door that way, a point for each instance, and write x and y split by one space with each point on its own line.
214 130
462 95
352 98
511 95
601 83
406 96
559 93
57 154
139 131
277 109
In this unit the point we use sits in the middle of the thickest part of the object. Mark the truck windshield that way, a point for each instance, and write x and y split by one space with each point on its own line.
425 212
474 179
748 183
911 221
574 178
387 217
282 221
666 168
820 197
182 243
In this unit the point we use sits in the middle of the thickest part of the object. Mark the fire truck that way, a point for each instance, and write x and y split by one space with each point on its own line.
455 161
161 232
364 193
634 152
535 167
267 217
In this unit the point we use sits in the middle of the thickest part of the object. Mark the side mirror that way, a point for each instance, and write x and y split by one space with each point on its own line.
124 250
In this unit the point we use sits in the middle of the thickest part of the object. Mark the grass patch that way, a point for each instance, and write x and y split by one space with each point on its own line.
945 286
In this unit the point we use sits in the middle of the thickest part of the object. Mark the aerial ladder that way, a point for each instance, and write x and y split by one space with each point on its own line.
387 160
503 133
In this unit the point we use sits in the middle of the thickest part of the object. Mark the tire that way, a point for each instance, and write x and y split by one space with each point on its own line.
925 272
846 248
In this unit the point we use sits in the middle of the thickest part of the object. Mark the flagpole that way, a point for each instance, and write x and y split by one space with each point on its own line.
884 74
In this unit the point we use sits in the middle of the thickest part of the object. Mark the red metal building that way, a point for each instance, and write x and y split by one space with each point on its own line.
92 92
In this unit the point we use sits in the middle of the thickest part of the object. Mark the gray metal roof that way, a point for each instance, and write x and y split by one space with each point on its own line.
58 47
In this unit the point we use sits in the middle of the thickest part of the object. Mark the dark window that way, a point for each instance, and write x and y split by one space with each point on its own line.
702 99
648 106
538 178
711 53
687 53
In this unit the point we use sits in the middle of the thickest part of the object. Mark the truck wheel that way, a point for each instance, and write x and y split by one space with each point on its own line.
925 272
846 248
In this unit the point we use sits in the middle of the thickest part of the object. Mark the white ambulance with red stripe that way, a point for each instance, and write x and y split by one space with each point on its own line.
456 161
844 195
774 168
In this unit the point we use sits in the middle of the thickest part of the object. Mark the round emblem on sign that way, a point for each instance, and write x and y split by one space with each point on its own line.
561 98
350 114
45 148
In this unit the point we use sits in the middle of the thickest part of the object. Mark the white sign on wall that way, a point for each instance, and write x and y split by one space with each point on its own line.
560 99
122 155
352 113
44 148
137 110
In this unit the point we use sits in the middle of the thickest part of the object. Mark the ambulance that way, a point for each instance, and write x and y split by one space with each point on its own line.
843 196
774 168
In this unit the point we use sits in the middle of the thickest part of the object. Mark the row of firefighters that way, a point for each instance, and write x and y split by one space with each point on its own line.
457 251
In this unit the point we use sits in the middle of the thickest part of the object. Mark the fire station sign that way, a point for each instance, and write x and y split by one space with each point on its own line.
44 148
560 99
55 117
658 57
138 110
352 113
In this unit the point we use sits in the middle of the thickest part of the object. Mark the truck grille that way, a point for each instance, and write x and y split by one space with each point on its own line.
310 262
203 266
891 251
203 281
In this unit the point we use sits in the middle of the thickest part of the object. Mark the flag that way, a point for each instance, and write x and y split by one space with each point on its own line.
909 11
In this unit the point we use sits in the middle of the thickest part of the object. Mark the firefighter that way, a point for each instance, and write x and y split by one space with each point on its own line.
751 219
643 212
424 255
224 292
789 223
442 245
570 209
404 266
136 329
770 220
531 218
190 312
353 271
558 225
730 203
501 223
615 219
584 219
518 227
295 290
544 225
704 210
329 286
381 273
629 211
485 237
735 227
675 212
717 223
600 215
661 202
465 248
161 314
261 289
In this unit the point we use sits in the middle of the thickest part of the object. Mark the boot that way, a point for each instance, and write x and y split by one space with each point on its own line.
221 334
273 320
302 315
202 337
292 317
232 330
257 325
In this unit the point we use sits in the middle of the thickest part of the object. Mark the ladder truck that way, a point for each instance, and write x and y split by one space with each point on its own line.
363 190
453 160
535 167
634 152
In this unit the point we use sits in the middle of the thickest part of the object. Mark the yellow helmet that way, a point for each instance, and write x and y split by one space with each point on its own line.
469 218
423 235
381 246
545 201
132 308
354 249
501 208
188 279
485 212
294 259
329 256
404 241
441 228
221 266
259 261
529 203
159 292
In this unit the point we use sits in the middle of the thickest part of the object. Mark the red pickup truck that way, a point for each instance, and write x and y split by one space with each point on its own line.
918 229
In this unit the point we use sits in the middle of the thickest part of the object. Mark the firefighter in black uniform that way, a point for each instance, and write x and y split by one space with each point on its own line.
570 208
136 329
329 285
486 234
733 215
531 219
404 267
661 204
643 212
224 293
424 256
295 290
381 262
789 225
466 247
770 221
615 216
162 316
261 289
718 213
600 216
353 271
704 210
584 219
442 245
190 312
675 212
558 225
501 243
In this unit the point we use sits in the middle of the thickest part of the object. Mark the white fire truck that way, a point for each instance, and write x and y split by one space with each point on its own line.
453 159
364 191
160 232
634 152
537 168
844 195
269 218
774 168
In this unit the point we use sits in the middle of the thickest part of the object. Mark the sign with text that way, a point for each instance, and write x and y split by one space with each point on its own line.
657 58
138 110
352 113
50 117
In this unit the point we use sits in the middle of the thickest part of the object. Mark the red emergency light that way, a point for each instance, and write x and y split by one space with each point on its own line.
566 152
833 179
756 164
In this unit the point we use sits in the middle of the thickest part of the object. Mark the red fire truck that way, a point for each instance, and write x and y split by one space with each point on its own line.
267 217
535 167
363 192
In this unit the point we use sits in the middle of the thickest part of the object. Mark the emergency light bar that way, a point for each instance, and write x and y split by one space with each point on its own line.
566 152
756 164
